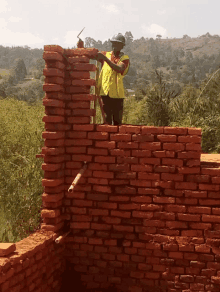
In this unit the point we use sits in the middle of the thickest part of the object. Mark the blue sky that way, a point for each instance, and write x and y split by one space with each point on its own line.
43 22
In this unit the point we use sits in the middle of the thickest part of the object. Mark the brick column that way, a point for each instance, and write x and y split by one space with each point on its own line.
67 103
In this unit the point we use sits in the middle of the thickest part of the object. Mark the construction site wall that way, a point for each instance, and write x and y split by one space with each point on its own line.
145 216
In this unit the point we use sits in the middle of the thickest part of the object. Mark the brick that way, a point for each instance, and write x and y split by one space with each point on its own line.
105 159
148 191
189 139
142 168
122 214
122 228
211 218
97 226
211 171
164 216
105 144
119 167
50 55
152 130
148 176
164 168
118 182
208 187
195 194
78 104
98 135
129 129
187 201
139 214
120 137
198 178
143 138
52 182
195 131
172 177
123 257
131 206
157 223
53 119
147 160
110 220
166 138
83 127
98 212
103 174
80 225
120 152
189 154
202 248
199 210
186 247
141 153
185 185
152 275
193 162
186 170
157 246
170 161
127 175
188 217
193 147
127 145
200 225
164 200
150 145
175 224
83 82
175 130
82 96
125 190
119 198
175 208
141 199
176 255
174 146
78 120
76 150
128 160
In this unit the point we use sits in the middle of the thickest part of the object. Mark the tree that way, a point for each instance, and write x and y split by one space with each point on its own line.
159 36
19 70
128 38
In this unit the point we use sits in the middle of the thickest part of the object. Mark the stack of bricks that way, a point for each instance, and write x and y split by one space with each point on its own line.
67 102
145 214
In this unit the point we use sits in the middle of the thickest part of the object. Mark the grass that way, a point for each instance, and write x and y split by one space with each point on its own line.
21 129
4 72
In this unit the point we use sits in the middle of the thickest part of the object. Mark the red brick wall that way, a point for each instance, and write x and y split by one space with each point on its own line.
36 265
145 214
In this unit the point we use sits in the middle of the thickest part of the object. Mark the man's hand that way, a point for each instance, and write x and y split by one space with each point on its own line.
100 56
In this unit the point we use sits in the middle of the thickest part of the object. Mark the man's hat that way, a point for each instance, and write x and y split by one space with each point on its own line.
118 38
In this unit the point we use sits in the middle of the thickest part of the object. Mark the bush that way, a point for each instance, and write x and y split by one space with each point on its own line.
21 129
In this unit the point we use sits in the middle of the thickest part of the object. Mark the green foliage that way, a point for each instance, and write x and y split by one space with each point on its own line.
21 129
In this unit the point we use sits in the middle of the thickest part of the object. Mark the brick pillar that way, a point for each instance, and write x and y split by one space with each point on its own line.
67 104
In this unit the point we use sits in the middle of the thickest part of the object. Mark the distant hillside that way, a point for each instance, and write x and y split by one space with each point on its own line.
182 61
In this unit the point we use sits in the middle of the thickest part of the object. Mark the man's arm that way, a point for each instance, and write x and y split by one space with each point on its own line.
118 68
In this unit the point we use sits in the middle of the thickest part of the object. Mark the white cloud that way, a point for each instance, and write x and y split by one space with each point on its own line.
14 19
4 6
111 8
10 38
161 12
71 38
153 30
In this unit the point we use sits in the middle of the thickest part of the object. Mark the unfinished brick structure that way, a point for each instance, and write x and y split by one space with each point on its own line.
145 216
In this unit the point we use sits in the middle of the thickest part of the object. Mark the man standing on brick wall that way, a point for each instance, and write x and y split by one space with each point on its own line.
115 66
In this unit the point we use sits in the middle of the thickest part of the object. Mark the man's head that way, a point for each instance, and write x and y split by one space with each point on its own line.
118 42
